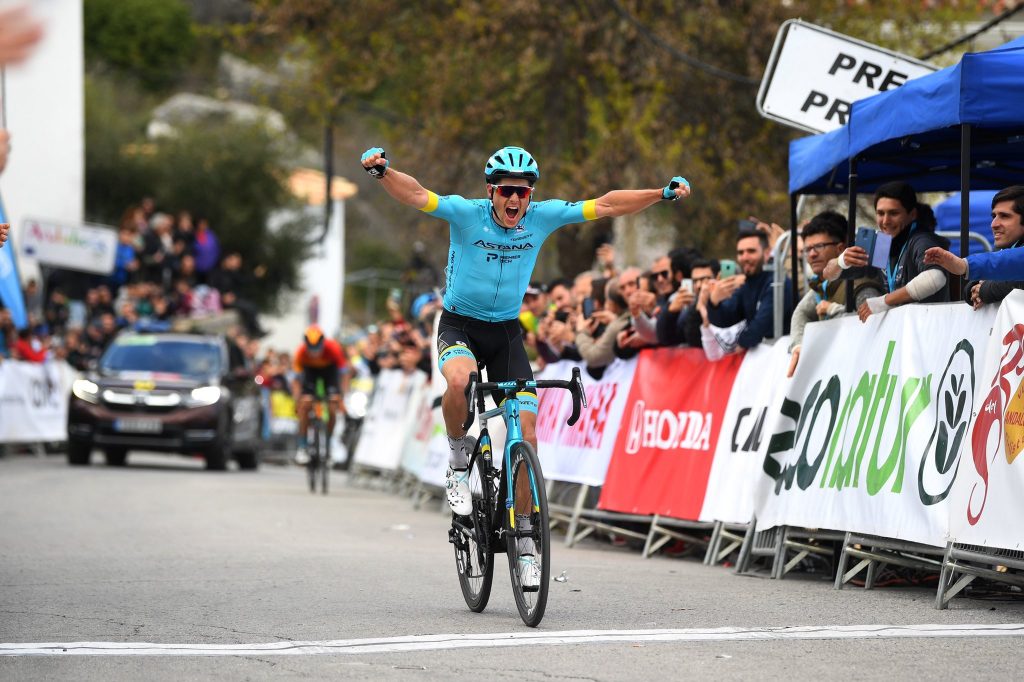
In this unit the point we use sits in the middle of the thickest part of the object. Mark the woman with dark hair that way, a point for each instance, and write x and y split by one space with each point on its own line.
910 279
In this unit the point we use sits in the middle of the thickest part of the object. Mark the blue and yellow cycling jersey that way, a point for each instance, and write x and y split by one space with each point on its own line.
489 267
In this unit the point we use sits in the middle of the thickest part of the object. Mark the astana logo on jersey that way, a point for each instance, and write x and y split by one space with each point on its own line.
492 246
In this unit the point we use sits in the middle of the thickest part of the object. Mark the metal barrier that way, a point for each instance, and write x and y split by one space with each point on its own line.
778 267
875 552
668 529
972 561
972 236
726 538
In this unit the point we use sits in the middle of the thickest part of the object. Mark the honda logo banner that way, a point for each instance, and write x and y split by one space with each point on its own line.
670 428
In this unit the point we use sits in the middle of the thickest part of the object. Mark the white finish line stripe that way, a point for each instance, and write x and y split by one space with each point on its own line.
531 638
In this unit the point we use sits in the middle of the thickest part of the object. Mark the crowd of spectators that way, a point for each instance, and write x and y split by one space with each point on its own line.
168 269
171 267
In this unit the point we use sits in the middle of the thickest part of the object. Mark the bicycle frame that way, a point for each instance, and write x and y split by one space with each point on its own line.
509 410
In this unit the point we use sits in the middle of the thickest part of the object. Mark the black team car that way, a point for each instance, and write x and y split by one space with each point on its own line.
179 393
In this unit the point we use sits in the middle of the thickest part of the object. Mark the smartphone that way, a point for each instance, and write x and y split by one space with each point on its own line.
588 307
746 226
686 285
562 316
396 295
728 269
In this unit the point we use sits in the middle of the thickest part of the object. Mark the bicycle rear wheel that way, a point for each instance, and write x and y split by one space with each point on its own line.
524 539
471 535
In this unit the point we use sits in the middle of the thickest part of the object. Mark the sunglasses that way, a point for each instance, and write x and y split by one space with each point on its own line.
520 191
815 248
662 274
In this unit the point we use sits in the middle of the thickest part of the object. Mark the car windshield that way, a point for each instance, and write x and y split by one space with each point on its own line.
150 354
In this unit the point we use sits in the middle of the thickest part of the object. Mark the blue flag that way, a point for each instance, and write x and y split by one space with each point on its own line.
11 294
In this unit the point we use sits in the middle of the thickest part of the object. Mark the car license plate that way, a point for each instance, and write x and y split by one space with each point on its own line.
138 425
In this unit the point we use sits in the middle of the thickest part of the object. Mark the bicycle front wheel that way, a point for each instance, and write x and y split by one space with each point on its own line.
471 535
325 458
528 538
313 452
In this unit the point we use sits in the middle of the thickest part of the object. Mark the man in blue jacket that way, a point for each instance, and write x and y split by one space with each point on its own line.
1005 266
999 266
749 296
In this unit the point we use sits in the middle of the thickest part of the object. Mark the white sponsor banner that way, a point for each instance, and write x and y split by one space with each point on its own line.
415 451
580 453
757 393
34 401
390 419
985 505
873 427
814 75
90 248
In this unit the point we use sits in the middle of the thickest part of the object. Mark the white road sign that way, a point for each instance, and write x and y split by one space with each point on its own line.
814 75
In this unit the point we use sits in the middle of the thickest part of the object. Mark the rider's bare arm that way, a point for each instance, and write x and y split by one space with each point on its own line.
621 202
405 188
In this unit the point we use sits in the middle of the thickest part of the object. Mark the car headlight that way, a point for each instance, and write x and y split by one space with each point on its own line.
204 395
86 390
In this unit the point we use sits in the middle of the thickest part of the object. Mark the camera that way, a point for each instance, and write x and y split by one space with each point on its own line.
561 316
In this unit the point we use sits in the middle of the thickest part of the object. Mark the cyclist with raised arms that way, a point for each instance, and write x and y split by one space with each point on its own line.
494 244
317 358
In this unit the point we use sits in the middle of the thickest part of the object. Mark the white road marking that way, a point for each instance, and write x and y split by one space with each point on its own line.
528 638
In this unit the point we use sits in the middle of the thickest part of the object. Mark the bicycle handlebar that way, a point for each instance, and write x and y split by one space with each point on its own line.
476 389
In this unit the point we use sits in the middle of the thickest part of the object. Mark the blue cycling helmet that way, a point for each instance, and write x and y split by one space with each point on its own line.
511 162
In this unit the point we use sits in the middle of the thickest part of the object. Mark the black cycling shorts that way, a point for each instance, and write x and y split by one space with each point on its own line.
329 375
497 346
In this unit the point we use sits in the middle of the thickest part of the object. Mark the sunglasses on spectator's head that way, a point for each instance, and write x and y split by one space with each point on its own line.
521 191
662 274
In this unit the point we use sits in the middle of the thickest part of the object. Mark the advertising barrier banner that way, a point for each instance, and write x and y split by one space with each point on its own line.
985 504
756 397
391 418
34 401
580 453
672 417
871 430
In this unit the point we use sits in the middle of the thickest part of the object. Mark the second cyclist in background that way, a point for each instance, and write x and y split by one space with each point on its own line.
317 358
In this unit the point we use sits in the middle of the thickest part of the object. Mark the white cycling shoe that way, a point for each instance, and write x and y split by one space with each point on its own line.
529 572
301 456
460 498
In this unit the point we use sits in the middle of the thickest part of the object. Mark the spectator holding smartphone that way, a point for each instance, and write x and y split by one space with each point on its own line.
748 296
824 238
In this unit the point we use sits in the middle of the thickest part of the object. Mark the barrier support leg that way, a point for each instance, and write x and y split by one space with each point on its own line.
745 548
841 568
716 539
574 522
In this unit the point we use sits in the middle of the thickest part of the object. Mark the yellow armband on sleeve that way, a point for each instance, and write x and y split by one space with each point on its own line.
432 201
590 209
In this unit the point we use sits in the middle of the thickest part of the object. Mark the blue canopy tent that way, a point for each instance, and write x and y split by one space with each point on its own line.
959 128
947 214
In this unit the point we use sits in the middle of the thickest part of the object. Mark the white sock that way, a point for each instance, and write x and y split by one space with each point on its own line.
459 456
525 545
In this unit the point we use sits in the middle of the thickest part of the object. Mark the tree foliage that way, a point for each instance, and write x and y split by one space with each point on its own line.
229 173
151 40
594 88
